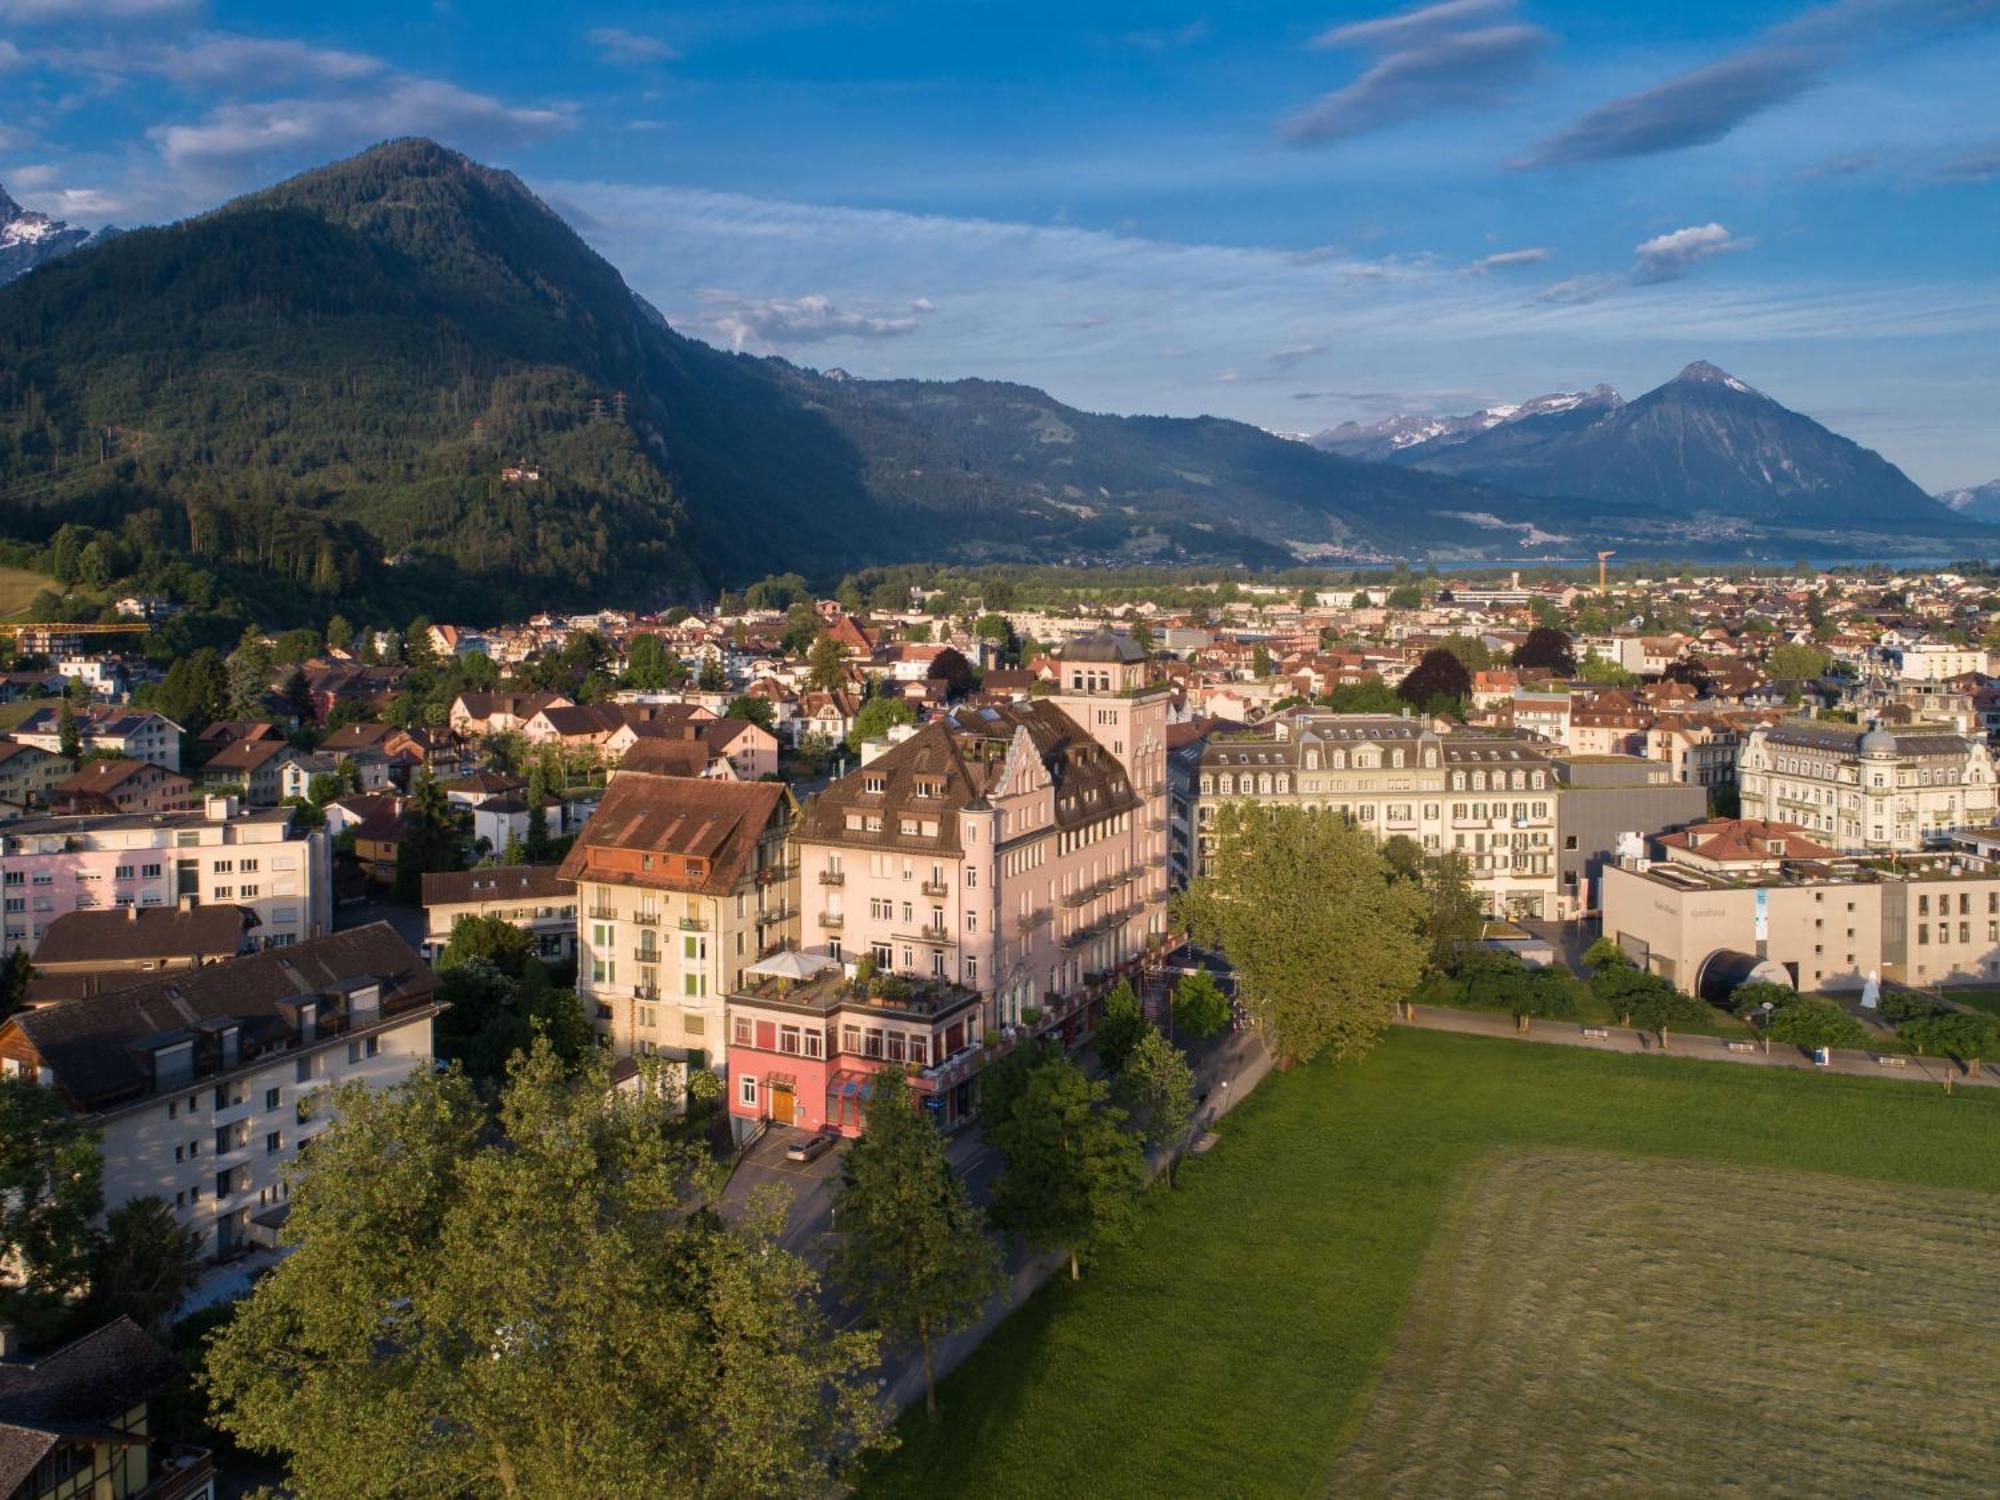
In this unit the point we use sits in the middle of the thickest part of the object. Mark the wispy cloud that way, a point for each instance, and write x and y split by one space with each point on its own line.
1710 102
1297 354
44 12
781 321
615 44
1667 257
1501 260
1171 38
315 127
1456 55
1982 165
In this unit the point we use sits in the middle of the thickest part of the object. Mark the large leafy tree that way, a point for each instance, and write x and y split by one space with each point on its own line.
143 1265
1200 1007
1970 1038
1071 1173
533 1307
912 1251
1157 1088
826 665
491 937
1324 943
951 667
51 1188
876 718
431 840
1547 648
1439 677
1123 1024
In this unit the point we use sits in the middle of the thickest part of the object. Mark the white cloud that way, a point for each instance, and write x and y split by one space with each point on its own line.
1533 255
41 12
11 56
222 60
629 48
779 321
1297 354
1666 257
320 127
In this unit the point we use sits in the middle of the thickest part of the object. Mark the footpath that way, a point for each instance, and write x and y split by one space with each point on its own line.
1844 1061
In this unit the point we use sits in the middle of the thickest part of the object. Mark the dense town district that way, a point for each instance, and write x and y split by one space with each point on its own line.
753 1050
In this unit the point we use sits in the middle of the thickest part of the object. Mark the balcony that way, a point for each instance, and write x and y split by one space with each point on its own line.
833 877
646 954
937 888
693 924
930 933
602 913
832 919
779 913
646 918
180 1472
645 992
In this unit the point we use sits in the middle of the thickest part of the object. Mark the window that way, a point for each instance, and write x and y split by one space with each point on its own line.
271 1098
740 1031
746 1090
274 1143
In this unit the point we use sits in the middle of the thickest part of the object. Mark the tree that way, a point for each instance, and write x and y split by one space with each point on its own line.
495 1015
1119 1032
757 710
646 664
69 740
1070 1174
1260 662
912 1251
876 718
298 697
1596 669
1440 675
1157 1090
538 814
1653 1003
1969 1038
1793 660
1406 596
1200 1008
1605 953
710 679
951 667
1471 652
144 1264
508 948
993 627
1454 918
1548 649
826 665
195 692
431 840
51 1188
462 1311
1808 1021
1323 942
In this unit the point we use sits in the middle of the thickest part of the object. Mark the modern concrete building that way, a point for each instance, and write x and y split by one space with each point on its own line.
1607 805
254 857
201 1084
1867 790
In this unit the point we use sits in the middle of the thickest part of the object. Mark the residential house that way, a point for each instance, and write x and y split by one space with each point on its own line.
28 773
252 769
121 786
534 898
133 733
89 952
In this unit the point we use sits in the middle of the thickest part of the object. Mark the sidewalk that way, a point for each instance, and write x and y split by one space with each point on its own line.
1849 1063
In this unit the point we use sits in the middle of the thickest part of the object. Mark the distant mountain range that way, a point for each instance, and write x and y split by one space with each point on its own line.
1380 442
319 389
1980 502
29 239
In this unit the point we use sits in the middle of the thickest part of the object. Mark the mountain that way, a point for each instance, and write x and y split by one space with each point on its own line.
321 384
1703 443
1980 502
1379 442
30 239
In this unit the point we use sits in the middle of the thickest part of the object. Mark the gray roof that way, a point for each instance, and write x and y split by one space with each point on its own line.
79 1388
1103 646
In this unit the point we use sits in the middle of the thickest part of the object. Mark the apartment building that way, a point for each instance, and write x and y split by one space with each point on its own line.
134 733
121 786
220 853
90 952
807 1031
535 898
27 772
1018 849
682 884
1607 805
1865 790
253 769
202 1085
1488 797
1823 921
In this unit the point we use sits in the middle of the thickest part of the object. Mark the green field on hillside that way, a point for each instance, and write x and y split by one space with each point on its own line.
18 586
1236 1346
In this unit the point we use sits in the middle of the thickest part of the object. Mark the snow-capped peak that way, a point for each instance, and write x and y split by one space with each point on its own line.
27 239
1701 372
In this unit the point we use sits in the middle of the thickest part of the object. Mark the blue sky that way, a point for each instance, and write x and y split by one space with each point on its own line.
1292 214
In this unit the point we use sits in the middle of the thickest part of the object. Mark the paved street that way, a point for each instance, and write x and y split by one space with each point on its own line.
1932 1070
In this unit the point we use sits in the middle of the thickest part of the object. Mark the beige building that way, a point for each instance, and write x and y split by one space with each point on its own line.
681 885
1867 790
534 898
202 1084
1490 798
1829 924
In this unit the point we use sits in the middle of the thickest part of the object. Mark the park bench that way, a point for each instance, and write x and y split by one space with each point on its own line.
1742 1046
1597 1033
1889 1061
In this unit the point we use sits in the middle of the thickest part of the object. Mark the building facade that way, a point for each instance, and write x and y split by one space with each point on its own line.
534 898
1867 790
254 857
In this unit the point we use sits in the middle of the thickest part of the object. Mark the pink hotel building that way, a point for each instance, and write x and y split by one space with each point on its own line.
1018 850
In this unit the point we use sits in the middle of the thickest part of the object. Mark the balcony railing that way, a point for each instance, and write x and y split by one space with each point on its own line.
646 918
833 877
693 924
645 992
770 914
646 955
935 888
833 919
603 913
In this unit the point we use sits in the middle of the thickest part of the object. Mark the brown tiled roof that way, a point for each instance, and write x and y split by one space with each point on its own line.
245 755
496 883
716 821
666 757
589 718
85 1042
101 776
1732 839
137 933
82 1387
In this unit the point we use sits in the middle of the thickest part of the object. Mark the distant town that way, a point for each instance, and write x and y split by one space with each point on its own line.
762 869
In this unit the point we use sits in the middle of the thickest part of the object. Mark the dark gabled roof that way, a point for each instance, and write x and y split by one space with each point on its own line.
1103 646
9 748
82 1387
666 756
246 755
105 776
136 933
717 821
84 1042
496 883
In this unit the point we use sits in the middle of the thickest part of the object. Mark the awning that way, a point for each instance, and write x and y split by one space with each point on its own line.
850 1083
781 1081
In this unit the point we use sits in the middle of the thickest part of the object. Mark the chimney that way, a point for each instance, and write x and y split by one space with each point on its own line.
132 914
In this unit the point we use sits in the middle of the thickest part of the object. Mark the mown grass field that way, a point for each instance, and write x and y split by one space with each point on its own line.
1233 1348
1589 1323
18 586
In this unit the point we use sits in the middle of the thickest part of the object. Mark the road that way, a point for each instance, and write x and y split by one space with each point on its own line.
1227 1069
1932 1070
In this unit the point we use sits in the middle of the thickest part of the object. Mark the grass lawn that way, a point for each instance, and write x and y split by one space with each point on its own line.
14 715
1233 1348
18 586
1979 999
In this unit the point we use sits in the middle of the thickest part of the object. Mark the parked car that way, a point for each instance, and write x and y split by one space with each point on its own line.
814 1146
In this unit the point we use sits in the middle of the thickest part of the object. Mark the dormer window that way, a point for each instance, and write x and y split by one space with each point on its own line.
874 785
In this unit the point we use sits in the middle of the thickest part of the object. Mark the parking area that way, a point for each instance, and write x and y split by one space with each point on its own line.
811 1185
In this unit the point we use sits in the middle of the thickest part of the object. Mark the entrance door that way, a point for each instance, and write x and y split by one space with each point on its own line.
781 1104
